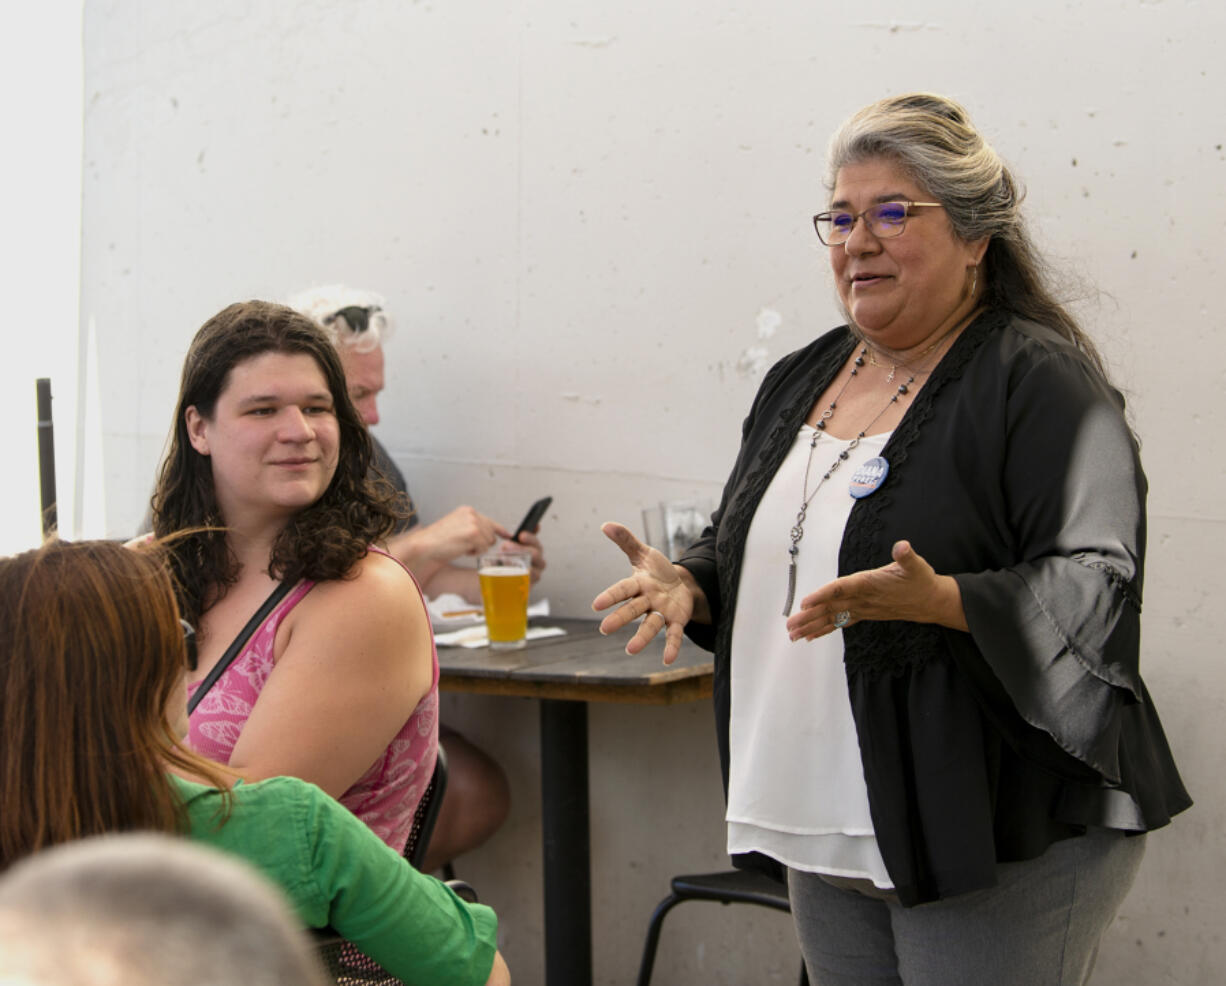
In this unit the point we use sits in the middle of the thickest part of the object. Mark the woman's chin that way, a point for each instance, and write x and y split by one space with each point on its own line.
875 326
888 326
294 497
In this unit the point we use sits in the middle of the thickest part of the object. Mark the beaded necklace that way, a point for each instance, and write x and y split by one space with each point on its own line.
897 360
798 529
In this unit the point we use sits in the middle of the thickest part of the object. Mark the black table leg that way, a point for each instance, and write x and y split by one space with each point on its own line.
565 821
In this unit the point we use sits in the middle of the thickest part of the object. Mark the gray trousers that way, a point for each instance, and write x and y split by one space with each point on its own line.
1040 925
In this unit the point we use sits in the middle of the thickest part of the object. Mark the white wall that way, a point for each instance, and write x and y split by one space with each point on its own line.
578 212
40 202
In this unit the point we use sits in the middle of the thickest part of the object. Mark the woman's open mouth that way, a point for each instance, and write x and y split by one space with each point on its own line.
867 280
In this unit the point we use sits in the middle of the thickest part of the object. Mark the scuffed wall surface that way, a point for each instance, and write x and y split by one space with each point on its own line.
591 222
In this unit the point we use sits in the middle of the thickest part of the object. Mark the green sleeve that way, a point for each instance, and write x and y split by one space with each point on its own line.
410 923
337 872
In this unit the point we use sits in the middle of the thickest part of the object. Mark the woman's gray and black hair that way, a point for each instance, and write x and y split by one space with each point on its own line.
932 139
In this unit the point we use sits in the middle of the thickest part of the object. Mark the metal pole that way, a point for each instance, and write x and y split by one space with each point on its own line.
46 455
566 825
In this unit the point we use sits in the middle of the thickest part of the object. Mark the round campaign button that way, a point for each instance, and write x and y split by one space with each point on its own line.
868 477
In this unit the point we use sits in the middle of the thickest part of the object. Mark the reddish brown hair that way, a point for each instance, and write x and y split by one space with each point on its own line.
91 651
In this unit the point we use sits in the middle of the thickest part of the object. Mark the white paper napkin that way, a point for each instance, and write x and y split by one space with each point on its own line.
452 612
478 636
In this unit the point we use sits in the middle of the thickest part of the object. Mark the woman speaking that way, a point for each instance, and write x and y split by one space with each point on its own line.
923 590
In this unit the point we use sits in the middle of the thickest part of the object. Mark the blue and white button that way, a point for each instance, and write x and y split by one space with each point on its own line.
868 478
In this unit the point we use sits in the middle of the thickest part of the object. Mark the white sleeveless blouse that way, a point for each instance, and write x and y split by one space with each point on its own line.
796 788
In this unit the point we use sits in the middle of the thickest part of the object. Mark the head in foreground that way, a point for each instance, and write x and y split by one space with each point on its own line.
147 910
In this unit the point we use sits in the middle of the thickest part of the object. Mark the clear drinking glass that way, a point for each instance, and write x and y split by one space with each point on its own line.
672 527
505 578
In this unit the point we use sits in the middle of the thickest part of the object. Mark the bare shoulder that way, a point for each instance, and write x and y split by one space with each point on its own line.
377 578
353 659
377 598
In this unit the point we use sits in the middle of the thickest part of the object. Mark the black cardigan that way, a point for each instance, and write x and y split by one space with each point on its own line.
1014 471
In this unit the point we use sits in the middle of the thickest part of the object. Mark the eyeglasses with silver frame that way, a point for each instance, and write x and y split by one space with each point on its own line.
885 219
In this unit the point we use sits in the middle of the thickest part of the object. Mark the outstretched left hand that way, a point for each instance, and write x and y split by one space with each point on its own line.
906 589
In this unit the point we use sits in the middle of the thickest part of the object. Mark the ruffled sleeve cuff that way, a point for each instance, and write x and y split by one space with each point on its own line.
1061 636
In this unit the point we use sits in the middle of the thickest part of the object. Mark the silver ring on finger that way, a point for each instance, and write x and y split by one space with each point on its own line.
663 619
842 618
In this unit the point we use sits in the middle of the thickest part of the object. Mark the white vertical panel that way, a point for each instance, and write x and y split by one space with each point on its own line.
40 202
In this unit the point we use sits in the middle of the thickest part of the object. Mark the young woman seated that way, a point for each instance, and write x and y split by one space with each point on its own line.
267 468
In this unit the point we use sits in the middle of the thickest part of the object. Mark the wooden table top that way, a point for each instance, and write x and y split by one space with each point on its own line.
581 666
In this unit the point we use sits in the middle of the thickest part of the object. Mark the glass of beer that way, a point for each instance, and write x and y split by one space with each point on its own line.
505 583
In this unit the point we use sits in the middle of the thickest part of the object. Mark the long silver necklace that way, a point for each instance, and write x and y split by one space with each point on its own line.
798 529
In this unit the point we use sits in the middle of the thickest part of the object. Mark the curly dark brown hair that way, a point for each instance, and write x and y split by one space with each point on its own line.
320 542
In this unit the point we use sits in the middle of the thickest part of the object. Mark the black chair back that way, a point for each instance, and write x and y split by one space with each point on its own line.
427 813
347 965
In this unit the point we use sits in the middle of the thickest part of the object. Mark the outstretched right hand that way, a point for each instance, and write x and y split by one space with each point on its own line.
655 589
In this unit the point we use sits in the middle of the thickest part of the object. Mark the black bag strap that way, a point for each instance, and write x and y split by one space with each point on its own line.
253 624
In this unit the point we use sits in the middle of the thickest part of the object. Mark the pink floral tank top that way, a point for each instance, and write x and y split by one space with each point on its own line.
386 796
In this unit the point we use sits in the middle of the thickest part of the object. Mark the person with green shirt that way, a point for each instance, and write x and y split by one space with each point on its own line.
92 713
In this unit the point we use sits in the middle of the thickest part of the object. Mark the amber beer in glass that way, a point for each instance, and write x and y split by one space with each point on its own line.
505 584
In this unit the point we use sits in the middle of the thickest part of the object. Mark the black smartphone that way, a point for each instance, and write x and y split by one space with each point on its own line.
533 516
